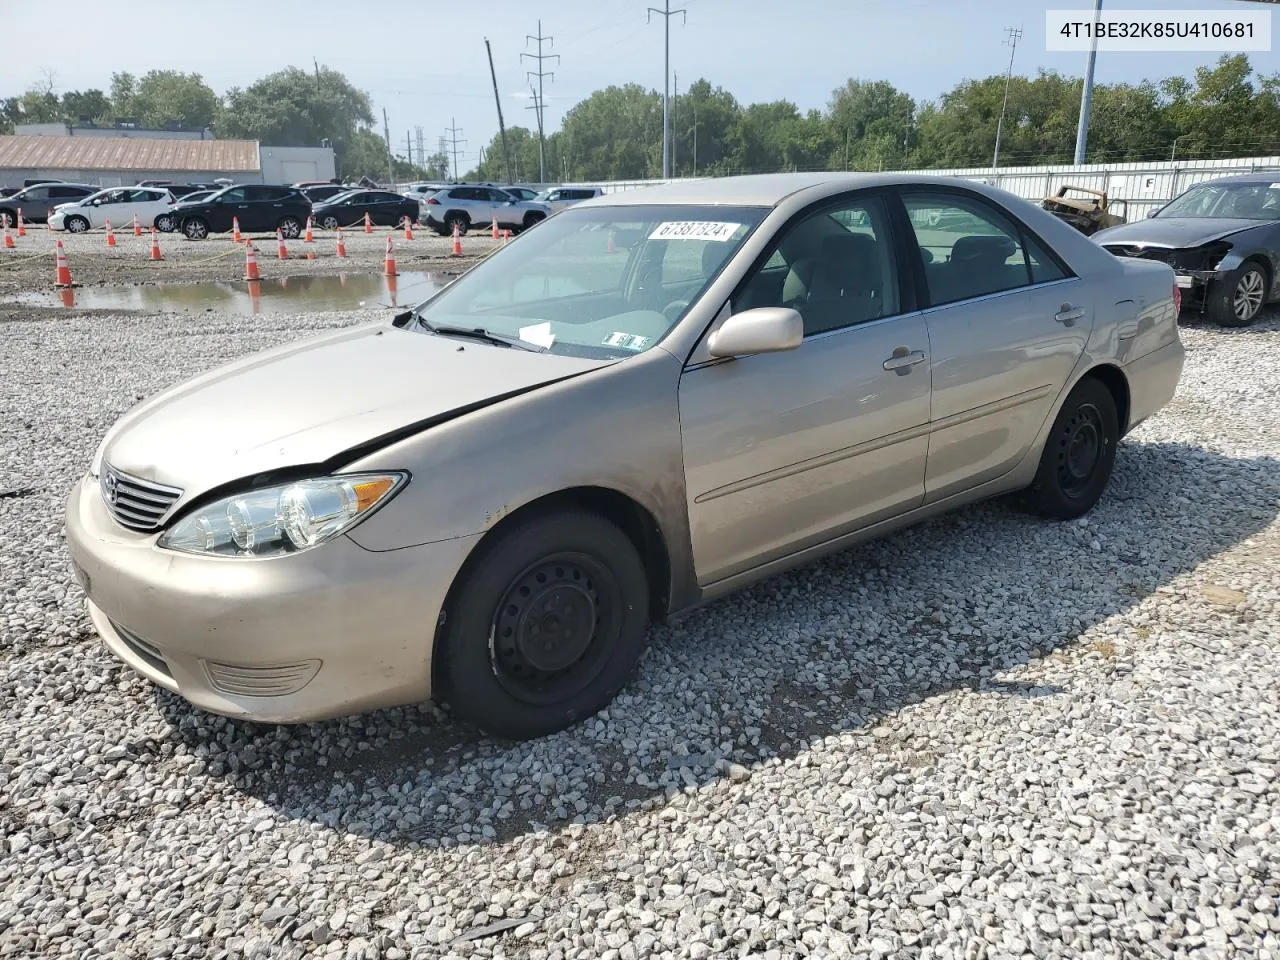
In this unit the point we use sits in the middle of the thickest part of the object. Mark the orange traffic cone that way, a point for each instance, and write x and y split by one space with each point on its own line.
506 236
62 276
111 237
307 237
391 289
342 246
235 230
8 237
155 246
251 263
408 229
22 227
255 289
494 231
457 240
137 227
368 224
281 250
68 296
390 269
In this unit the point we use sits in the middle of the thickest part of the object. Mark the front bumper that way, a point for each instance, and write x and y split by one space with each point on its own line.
57 220
327 632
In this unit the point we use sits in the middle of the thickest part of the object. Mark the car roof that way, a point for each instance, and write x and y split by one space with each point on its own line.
1272 177
760 190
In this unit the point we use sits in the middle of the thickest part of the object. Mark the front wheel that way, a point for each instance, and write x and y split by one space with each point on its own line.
195 229
165 223
546 626
8 218
290 228
1237 299
1078 456
75 224
456 220
330 222
532 220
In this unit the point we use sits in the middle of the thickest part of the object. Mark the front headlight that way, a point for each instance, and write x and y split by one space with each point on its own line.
284 519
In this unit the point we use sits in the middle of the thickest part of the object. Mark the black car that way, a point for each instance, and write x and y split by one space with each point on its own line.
385 209
1222 238
318 193
259 207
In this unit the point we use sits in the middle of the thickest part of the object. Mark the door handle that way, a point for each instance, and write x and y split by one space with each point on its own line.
1067 315
903 359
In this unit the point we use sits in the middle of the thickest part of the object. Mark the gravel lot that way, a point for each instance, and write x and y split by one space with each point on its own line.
986 737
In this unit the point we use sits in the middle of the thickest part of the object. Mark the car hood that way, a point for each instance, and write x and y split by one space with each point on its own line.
1175 231
308 402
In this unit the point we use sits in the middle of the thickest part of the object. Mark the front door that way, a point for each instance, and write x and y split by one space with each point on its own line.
1007 324
784 451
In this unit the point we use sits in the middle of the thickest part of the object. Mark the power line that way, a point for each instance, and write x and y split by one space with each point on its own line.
666 15
452 140
538 100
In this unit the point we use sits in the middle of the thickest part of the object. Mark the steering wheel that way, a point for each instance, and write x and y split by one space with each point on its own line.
673 310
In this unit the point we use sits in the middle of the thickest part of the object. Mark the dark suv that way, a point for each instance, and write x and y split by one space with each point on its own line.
259 207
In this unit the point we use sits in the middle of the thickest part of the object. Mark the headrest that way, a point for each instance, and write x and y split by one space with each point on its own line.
998 248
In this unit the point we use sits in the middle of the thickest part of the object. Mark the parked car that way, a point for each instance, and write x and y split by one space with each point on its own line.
348 209
322 192
8 191
1222 238
522 193
259 207
152 206
558 198
38 201
168 223
469 206
366 518
420 191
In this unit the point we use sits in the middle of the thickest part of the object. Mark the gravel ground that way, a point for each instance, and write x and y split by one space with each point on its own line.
30 266
986 737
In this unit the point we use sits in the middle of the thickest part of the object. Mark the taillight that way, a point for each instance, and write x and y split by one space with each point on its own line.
431 200
1177 298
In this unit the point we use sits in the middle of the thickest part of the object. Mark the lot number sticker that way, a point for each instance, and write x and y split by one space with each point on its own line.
627 341
694 230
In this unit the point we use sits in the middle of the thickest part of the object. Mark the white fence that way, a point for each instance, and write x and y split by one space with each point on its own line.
1143 186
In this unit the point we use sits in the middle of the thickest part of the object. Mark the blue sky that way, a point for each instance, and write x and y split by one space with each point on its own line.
425 63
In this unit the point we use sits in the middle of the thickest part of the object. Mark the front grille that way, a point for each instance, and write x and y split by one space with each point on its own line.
1163 254
135 503
151 655
274 681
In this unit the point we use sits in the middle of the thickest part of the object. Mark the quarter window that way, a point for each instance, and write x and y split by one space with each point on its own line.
835 267
971 250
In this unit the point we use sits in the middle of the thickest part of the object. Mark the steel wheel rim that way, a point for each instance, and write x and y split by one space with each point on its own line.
164 224
1249 292
551 631
1082 446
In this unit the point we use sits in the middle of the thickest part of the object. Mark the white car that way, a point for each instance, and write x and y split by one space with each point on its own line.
560 197
152 205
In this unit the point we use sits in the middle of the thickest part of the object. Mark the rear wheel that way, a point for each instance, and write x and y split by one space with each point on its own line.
75 224
195 228
1237 299
1078 456
330 222
8 218
290 228
546 626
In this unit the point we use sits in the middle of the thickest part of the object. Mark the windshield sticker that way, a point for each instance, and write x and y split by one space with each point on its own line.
694 230
627 341
539 334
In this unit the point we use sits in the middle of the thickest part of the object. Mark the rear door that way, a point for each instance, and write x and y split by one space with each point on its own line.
1007 323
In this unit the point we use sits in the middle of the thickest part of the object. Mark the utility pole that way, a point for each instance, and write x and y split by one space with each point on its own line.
667 13
422 154
408 146
537 113
1014 35
317 63
453 140
502 128
675 104
695 138
538 101
1086 95
386 133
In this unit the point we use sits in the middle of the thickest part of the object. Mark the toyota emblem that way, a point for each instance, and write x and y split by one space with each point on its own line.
109 486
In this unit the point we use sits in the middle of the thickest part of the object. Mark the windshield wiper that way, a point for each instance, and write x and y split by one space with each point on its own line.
479 333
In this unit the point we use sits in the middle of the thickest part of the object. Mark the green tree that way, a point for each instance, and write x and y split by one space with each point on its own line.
163 97
86 106
614 134
874 124
705 118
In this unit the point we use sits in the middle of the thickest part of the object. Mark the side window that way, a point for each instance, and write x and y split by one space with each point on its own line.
835 267
970 249
68 193
234 196
36 194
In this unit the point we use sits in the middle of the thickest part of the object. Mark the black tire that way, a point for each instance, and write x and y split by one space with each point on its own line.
507 661
8 218
456 218
290 228
1238 298
166 223
1078 456
75 225
532 219
195 228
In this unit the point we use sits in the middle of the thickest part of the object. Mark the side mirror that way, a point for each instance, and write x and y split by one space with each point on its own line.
761 330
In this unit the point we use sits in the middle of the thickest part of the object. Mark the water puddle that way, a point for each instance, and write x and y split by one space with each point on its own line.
276 295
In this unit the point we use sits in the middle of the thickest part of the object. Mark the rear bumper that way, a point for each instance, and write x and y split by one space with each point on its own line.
1153 380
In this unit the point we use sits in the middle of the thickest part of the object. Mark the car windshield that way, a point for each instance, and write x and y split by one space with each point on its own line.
338 197
602 283
544 195
1241 201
